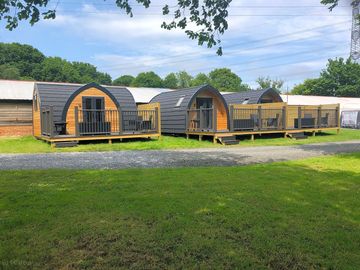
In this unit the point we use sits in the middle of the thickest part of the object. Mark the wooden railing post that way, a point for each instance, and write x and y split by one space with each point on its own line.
158 119
41 121
120 122
284 117
231 112
214 122
76 117
299 117
260 117
319 117
337 116
201 118
51 121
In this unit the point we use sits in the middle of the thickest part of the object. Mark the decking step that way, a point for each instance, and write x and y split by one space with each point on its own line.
65 144
229 140
298 136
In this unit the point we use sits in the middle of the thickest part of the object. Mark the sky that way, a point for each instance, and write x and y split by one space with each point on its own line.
283 39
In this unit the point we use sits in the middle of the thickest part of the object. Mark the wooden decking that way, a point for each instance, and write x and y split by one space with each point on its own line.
217 135
69 138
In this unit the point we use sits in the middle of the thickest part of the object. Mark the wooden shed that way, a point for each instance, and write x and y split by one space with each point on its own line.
15 108
65 112
268 95
198 109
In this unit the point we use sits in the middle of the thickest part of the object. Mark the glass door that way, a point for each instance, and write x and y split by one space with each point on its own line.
205 115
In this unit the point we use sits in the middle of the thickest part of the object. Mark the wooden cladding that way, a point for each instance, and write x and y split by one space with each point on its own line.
221 120
15 113
78 102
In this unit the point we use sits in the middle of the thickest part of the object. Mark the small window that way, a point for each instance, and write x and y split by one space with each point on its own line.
181 99
246 101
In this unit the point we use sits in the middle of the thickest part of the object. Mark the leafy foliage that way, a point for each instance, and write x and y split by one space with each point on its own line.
171 81
200 79
124 80
147 79
9 72
267 82
18 61
184 79
340 78
25 58
225 80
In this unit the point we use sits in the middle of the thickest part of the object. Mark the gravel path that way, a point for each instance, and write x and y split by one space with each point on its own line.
230 156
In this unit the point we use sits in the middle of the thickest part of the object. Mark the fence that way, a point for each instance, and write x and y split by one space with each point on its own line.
101 122
280 116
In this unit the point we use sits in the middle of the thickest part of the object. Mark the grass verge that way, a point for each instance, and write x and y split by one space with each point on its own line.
30 145
290 215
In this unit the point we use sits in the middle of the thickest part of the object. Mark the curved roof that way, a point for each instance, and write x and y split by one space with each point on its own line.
252 96
58 95
170 99
174 106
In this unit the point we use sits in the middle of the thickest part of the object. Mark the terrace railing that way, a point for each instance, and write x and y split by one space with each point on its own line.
243 119
114 122
282 117
201 120
101 122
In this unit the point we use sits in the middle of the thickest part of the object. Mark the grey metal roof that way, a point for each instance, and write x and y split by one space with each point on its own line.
16 90
173 118
57 95
145 94
253 96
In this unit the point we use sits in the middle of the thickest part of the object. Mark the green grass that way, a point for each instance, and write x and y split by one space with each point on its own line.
290 215
31 145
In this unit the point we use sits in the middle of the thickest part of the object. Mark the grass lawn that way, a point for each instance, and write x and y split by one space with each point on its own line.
290 215
31 145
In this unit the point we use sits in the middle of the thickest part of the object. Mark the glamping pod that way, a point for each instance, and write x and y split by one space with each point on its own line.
197 109
65 112
268 95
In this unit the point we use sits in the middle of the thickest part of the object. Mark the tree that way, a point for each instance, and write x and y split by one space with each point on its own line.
9 72
225 80
183 79
88 73
306 88
124 80
209 16
340 78
200 79
171 81
56 69
267 82
147 79
23 57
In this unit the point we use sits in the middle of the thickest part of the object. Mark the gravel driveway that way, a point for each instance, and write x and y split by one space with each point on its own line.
227 156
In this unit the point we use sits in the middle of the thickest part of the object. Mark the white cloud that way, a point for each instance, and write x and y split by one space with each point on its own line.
140 44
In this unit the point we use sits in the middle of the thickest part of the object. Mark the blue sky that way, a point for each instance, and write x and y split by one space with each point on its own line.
290 40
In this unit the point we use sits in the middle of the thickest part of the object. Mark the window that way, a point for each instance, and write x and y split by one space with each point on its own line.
246 101
181 99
